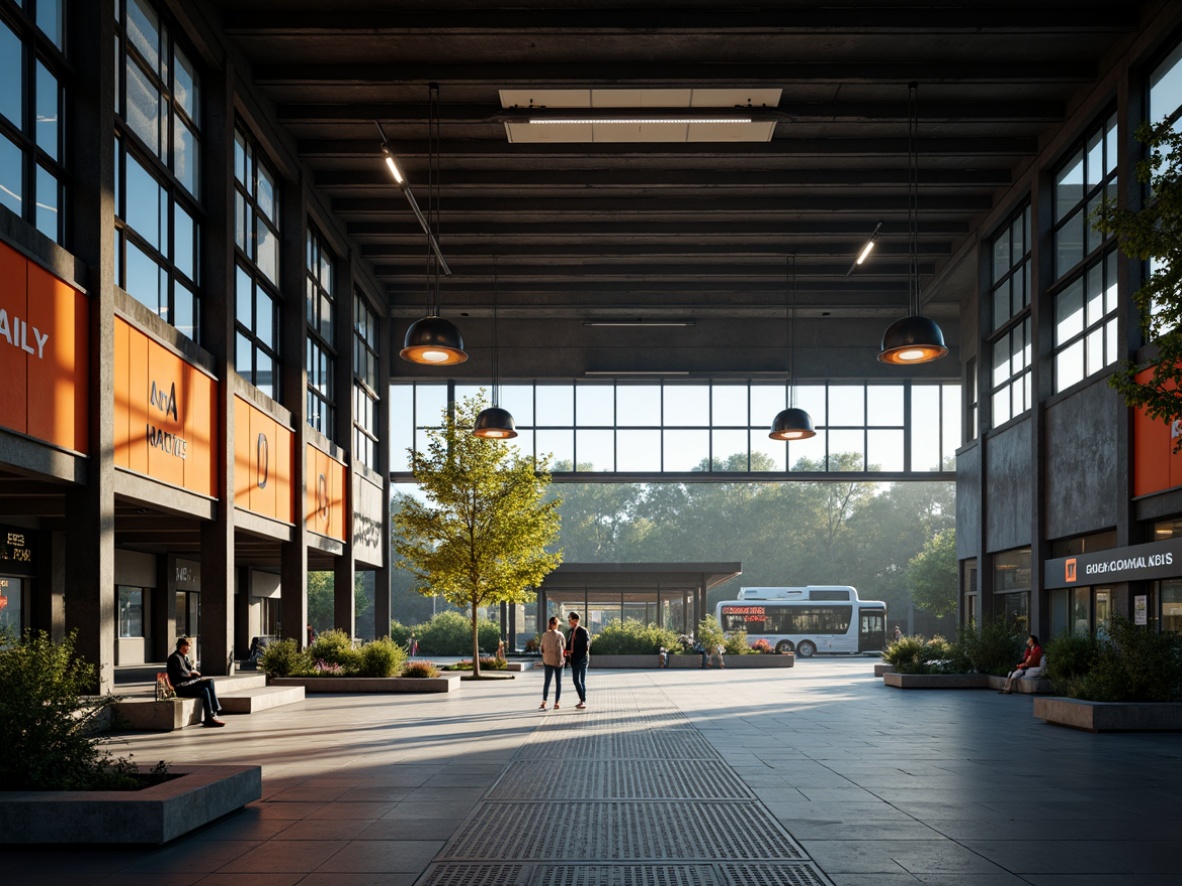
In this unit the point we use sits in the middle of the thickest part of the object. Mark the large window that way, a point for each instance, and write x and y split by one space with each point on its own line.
157 173
365 382
1010 292
1086 337
256 286
1081 184
718 427
32 118
132 604
320 313
1011 586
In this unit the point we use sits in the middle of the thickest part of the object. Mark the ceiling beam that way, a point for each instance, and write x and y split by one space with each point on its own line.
577 252
821 227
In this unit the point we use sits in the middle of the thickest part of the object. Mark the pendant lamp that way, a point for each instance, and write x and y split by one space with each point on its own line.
495 423
792 423
431 340
914 338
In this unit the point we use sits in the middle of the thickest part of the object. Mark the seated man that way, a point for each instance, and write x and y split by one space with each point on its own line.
189 683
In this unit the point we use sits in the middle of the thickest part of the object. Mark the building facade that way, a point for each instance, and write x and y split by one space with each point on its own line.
191 354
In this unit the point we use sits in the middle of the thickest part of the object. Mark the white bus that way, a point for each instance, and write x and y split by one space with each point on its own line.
817 618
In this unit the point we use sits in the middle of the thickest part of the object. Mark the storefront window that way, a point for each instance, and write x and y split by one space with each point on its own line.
1171 606
130 602
11 611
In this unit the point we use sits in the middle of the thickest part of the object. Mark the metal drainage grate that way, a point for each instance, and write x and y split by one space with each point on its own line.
473 875
623 780
623 831
801 874
561 874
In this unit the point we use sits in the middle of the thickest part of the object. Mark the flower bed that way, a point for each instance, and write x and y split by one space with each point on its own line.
442 683
687 662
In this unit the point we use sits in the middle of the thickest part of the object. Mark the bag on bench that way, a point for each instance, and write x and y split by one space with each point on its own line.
164 690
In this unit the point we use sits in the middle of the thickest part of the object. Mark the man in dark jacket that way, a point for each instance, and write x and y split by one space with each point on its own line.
578 653
189 683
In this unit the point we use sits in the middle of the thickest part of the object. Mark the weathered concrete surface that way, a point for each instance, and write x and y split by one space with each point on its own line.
881 669
936 681
1104 716
263 698
152 816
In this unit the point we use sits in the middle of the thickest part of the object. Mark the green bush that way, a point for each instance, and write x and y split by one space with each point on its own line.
993 649
1069 659
1134 664
420 669
48 720
335 647
284 659
632 637
915 655
736 643
450 633
709 633
399 632
381 658
486 664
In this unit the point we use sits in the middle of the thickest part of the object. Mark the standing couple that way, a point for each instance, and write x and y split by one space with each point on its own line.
558 649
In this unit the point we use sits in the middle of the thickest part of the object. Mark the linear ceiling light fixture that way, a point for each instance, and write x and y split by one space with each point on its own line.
866 250
559 121
495 423
639 321
636 372
915 338
792 423
431 340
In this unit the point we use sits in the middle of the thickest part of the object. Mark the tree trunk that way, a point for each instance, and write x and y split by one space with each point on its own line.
475 643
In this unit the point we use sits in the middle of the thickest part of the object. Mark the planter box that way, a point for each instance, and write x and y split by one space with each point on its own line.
881 669
153 816
689 662
1025 685
442 683
1110 716
936 681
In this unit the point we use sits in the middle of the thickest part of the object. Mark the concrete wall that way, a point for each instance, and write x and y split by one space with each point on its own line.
1009 493
1082 490
968 502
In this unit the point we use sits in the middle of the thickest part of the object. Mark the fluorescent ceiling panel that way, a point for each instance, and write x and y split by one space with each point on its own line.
653 131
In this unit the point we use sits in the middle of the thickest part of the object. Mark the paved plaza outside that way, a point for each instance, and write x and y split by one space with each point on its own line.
818 774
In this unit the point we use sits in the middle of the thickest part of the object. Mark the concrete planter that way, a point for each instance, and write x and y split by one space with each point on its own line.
153 816
936 681
881 669
1110 716
448 682
689 662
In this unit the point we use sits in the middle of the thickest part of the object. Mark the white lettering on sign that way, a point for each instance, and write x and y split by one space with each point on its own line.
1125 564
15 331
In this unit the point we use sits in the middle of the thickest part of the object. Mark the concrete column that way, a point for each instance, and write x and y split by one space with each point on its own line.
90 533
344 599
1042 333
383 577
294 396
46 609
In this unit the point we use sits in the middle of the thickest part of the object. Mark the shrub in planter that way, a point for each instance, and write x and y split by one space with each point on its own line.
762 646
531 645
709 633
632 637
994 648
914 655
284 659
735 643
48 720
381 658
335 647
1069 659
420 670
1133 664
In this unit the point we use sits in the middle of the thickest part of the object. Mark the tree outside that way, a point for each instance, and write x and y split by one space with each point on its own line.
321 614
1153 233
932 575
481 536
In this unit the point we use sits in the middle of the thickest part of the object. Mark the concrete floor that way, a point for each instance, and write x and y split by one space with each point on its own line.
874 785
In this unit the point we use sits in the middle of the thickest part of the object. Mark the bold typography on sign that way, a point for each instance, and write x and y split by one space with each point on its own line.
158 438
16 332
12 547
748 613
1126 563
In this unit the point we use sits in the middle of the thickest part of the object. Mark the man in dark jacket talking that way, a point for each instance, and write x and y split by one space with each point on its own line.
578 653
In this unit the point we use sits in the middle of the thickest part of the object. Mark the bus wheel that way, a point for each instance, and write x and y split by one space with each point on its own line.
784 646
806 649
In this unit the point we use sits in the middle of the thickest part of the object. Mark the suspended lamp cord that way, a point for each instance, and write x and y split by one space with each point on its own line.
912 201
790 315
432 197
496 384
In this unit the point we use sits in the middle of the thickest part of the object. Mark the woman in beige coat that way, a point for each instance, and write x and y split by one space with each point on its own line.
553 645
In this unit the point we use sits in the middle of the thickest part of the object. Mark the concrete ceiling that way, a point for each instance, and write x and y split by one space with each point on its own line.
695 231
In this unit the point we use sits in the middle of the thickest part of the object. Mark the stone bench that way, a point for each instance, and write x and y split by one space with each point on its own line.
238 694
1025 685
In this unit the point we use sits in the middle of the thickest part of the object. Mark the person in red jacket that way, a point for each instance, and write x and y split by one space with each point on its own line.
1029 666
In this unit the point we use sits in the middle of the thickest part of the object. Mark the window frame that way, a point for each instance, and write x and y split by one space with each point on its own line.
1018 381
320 352
366 439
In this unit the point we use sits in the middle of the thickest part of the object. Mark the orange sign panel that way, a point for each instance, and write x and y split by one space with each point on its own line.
165 418
262 463
324 495
44 343
1155 466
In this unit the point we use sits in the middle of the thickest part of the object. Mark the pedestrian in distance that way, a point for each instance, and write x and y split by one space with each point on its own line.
578 653
553 658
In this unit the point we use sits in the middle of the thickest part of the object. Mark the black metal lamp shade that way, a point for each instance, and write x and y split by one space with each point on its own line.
913 339
792 424
495 423
433 341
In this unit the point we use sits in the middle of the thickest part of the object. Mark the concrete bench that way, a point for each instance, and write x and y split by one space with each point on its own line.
1025 685
238 694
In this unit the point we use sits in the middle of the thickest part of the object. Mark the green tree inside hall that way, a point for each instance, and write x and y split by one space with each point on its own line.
482 535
